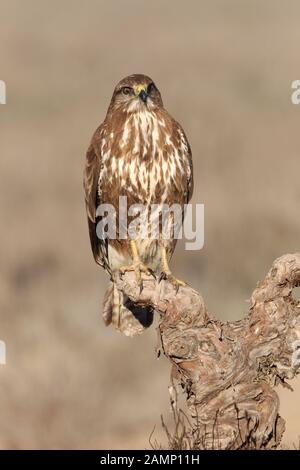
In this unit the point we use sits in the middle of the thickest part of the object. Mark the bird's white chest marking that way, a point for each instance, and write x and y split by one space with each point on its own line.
144 158
146 163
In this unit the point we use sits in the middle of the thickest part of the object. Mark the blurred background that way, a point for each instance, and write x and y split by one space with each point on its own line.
225 70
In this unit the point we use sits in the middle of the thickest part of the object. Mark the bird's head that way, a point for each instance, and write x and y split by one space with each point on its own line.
136 93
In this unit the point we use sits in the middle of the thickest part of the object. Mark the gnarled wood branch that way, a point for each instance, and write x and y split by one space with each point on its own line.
229 370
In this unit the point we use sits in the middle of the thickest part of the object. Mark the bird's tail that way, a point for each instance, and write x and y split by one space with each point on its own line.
119 311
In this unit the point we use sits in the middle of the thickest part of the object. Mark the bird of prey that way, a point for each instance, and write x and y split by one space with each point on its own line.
142 153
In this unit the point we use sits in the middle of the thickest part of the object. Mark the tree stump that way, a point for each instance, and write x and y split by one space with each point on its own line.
228 370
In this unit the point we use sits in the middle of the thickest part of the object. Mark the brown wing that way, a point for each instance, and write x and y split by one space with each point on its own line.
90 183
190 178
189 187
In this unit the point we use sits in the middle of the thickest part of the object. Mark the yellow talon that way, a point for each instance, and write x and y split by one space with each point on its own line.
137 266
166 272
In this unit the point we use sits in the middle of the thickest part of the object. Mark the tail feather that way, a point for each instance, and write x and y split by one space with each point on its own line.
126 317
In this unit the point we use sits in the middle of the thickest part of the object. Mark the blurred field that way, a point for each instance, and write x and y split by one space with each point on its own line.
224 69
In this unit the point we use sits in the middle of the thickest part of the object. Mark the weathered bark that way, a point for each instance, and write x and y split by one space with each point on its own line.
229 370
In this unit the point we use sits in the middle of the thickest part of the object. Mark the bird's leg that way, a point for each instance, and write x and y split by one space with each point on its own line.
137 265
165 269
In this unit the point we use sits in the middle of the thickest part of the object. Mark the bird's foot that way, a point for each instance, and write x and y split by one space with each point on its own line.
176 283
138 267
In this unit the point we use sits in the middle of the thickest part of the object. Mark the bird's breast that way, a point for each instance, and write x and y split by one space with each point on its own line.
142 160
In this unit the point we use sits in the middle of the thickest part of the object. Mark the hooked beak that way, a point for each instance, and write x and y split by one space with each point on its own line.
141 92
143 96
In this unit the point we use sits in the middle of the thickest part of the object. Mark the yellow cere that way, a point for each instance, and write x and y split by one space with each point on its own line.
139 88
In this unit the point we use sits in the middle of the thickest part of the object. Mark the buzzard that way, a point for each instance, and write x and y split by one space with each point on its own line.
142 153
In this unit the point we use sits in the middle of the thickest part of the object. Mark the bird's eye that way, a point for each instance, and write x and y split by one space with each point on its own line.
151 88
126 90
